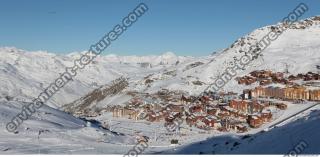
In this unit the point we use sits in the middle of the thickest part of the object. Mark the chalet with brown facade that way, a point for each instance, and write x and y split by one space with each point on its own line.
315 95
209 121
288 93
261 73
196 108
297 93
175 108
246 106
277 76
121 112
266 116
240 105
306 77
247 80
255 121
157 117
212 111
265 82
281 106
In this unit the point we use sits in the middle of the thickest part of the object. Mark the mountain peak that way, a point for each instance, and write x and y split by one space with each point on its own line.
168 54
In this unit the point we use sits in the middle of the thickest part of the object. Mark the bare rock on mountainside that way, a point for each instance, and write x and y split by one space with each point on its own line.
84 107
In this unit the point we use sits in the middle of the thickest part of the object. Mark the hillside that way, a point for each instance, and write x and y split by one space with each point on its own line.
299 133
54 129
55 132
25 74
296 50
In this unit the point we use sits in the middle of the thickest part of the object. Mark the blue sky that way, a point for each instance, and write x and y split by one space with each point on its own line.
185 27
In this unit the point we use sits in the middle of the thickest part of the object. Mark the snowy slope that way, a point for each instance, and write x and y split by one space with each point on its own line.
23 75
53 131
303 128
296 49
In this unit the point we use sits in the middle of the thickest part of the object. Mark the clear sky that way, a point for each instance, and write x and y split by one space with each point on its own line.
185 27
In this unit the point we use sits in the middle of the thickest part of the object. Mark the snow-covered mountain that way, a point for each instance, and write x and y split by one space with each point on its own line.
295 50
24 75
167 58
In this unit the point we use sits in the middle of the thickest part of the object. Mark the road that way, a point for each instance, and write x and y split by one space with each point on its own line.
274 125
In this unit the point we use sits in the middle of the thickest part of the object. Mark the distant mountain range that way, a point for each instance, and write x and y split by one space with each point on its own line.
23 74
